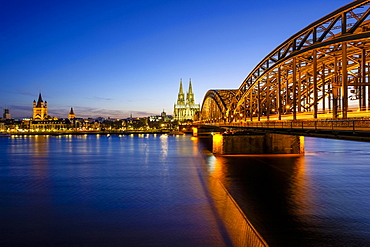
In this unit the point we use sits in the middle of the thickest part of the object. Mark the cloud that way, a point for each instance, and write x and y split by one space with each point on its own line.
19 111
27 93
94 112
20 108
20 92
143 113
100 98
80 111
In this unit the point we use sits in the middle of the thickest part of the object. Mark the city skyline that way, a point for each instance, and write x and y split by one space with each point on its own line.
117 58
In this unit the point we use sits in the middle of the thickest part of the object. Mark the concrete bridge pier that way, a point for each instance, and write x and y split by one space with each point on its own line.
203 131
257 144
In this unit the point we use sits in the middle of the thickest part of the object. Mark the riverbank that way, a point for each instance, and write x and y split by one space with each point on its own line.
110 132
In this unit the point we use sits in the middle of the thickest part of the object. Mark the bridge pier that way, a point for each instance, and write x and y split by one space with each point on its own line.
206 130
257 144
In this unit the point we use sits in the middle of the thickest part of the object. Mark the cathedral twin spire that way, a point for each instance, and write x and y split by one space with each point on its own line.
189 95
185 109
180 95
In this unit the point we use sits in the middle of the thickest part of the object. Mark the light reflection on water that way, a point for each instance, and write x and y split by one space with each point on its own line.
318 199
104 191
151 190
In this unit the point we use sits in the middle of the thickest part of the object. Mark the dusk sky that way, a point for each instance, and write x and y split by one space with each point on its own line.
116 58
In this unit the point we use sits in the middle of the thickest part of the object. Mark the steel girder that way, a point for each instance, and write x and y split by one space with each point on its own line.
316 66
316 70
216 104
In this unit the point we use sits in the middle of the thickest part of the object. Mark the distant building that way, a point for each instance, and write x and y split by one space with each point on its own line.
41 121
135 123
50 125
162 121
71 114
185 108
40 109
6 114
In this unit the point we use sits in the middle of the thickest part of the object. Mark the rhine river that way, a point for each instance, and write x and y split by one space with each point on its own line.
153 190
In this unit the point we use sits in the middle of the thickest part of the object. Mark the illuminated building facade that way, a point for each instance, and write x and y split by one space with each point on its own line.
41 121
162 121
71 114
50 125
40 109
185 108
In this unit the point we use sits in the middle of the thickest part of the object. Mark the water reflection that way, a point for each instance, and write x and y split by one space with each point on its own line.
240 230
300 200
137 185
271 190
39 157
164 146
99 191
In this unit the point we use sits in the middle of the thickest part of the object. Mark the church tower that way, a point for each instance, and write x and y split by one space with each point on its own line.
40 109
185 110
6 114
190 95
71 114
181 95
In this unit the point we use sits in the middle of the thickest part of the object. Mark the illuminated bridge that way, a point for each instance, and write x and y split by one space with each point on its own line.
319 77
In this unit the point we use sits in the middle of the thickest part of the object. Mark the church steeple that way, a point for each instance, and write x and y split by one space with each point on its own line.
40 109
71 114
181 95
39 101
190 95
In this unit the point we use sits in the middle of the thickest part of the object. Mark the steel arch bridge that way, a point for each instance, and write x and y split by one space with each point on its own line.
323 70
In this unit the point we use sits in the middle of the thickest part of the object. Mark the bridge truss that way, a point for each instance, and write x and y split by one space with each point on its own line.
323 68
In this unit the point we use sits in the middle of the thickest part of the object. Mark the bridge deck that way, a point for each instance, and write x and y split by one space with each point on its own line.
356 129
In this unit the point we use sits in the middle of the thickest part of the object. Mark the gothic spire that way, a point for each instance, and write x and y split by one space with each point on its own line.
181 91
190 95
181 96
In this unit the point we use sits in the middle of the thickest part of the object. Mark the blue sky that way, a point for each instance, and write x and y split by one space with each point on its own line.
113 58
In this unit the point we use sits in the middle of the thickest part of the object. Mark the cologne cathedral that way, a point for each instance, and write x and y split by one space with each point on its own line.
185 108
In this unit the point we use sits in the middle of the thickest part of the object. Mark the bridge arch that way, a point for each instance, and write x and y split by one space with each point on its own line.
316 71
216 104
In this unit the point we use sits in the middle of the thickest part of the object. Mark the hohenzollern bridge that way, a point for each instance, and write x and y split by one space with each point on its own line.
319 76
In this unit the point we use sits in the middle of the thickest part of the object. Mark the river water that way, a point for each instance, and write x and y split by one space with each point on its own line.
319 199
153 190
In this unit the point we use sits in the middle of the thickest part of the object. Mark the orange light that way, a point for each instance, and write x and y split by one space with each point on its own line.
217 139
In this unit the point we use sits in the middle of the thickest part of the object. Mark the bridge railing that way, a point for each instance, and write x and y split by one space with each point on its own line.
334 125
